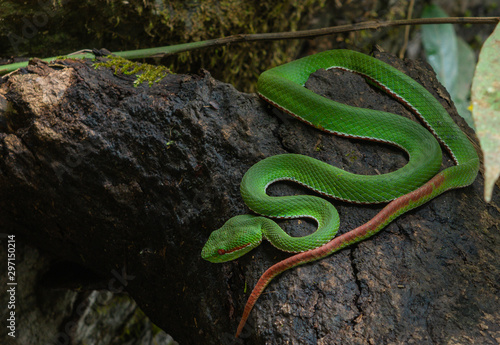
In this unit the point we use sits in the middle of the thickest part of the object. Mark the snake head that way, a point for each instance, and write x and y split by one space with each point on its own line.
236 237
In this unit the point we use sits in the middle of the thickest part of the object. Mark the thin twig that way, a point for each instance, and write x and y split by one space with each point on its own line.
407 30
371 25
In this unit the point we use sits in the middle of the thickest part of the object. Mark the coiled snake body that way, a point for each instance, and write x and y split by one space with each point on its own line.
410 186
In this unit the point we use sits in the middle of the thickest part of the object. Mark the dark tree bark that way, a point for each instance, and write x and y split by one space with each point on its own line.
133 180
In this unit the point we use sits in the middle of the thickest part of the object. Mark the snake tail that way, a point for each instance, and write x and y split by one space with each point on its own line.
394 209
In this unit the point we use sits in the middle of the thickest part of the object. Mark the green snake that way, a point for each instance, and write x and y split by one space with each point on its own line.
412 185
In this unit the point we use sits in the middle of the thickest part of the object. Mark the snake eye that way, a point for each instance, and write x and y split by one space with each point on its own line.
221 252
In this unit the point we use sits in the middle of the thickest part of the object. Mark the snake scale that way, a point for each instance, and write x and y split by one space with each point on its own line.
410 186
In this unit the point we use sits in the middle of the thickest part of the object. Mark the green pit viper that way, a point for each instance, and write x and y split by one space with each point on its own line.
411 186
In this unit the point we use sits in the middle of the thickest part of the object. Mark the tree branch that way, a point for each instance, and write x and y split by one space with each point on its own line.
239 38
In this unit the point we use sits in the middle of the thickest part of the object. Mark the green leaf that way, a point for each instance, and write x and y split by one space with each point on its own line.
451 58
440 44
486 108
461 91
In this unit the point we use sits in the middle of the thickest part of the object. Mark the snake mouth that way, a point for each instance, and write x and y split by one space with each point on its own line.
224 255
235 249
